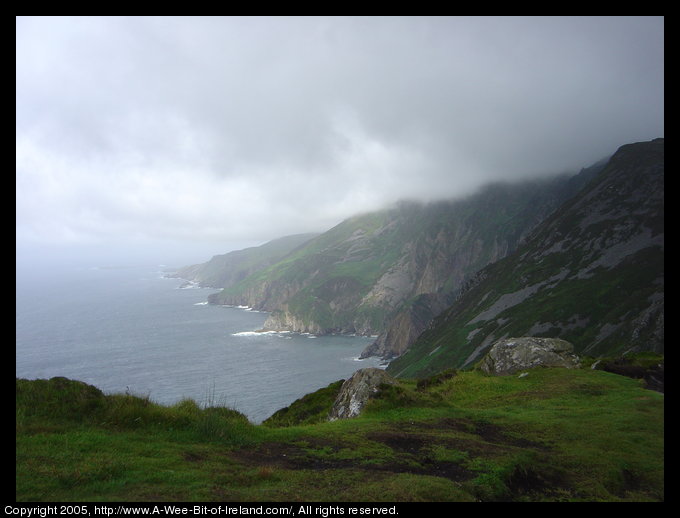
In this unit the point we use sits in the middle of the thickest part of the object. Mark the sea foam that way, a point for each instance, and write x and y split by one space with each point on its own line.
259 333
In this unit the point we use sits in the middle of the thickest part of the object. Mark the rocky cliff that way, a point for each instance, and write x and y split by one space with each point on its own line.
399 266
499 220
591 273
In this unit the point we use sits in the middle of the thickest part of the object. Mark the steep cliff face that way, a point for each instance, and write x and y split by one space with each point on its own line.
405 327
592 273
370 270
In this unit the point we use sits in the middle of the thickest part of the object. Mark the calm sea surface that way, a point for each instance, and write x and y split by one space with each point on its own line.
132 330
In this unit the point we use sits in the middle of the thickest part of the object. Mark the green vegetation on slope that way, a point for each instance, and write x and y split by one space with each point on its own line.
556 434
227 269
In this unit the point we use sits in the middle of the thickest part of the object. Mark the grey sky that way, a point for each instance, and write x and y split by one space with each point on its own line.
213 133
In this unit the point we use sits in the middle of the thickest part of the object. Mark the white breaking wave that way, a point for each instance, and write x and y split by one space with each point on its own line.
377 363
201 303
244 308
259 333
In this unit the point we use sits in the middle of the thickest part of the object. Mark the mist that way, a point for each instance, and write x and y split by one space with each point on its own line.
175 139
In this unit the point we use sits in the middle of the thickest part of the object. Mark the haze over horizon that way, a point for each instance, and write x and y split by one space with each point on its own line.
178 138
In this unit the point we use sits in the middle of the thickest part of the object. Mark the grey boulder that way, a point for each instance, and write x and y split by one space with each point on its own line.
510 355
356 391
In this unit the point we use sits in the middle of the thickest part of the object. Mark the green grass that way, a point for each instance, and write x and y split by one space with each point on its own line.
556 434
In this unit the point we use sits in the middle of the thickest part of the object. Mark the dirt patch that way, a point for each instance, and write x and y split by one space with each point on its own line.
538 480
451 470
403 442
449 424
653 375
414 447
192 457
495 434
451 431
276 454
287 456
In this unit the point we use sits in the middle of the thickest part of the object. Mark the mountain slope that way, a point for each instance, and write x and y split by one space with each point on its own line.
358 276
533 205
592 273
228 269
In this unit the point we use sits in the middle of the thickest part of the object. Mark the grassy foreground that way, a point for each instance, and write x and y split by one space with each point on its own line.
553 435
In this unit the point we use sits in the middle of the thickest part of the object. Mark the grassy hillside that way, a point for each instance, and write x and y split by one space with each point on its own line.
227 269
556 434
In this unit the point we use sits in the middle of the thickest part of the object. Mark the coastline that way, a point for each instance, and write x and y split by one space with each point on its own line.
193 284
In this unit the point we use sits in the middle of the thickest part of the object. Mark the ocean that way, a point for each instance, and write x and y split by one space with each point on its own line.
132 330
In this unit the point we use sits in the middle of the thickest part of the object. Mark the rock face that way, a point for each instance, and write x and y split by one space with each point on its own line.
406 326
356 391
510 355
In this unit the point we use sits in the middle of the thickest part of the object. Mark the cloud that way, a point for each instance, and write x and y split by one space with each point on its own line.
225 129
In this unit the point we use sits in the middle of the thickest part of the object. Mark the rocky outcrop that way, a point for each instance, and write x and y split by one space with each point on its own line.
282 320
511 355
356 391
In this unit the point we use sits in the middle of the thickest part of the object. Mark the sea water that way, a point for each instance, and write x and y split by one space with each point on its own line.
133 330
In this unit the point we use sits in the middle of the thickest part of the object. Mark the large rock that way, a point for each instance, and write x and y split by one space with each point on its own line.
510 355
356 391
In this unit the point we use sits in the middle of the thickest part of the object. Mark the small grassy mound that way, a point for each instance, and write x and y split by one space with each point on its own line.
310 409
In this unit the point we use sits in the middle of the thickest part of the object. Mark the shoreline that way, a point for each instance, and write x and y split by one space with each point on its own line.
192 284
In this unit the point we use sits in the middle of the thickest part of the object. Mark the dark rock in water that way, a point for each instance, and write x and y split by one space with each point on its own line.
356 391
510 355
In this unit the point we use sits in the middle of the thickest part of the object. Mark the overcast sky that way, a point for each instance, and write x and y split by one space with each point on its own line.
188 137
